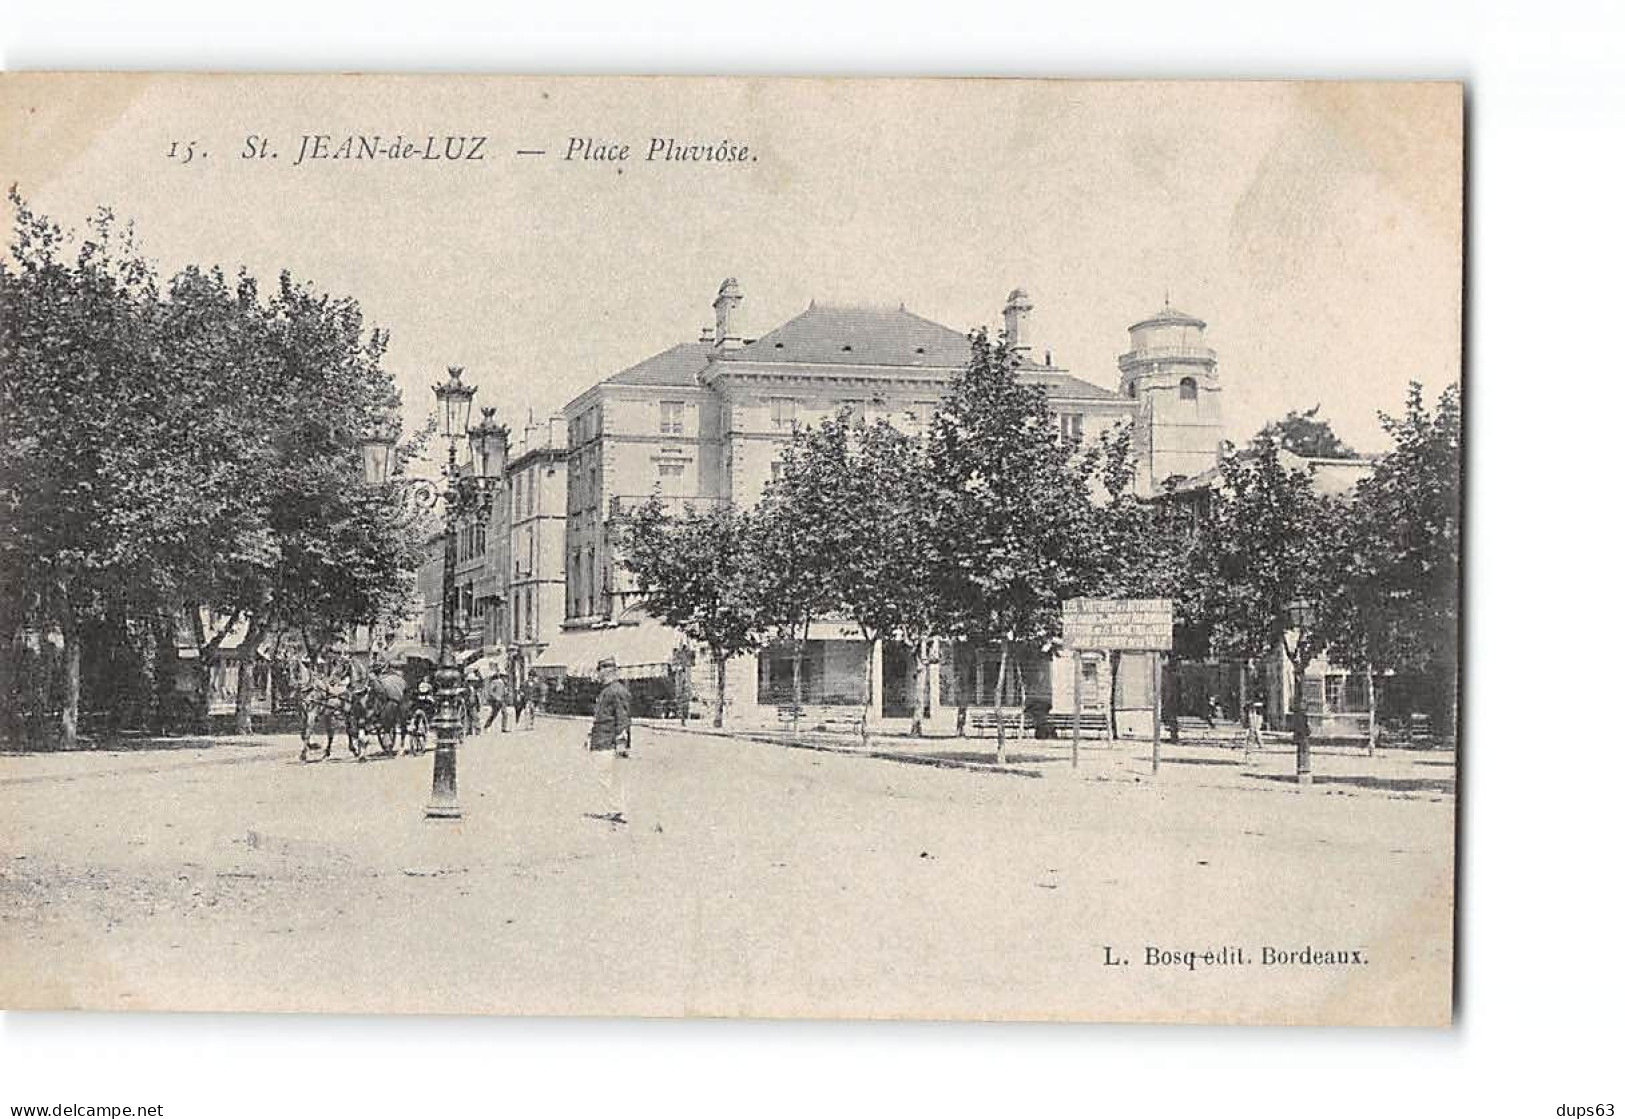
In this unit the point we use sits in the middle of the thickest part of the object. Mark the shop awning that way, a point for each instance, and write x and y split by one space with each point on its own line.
641 649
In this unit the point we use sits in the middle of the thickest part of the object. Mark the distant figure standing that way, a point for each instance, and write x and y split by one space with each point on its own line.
518 693
1214 712
610 740
536 695
1253 735
496 700
471 703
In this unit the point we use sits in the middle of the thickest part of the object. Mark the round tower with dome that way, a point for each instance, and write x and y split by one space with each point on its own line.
1174 374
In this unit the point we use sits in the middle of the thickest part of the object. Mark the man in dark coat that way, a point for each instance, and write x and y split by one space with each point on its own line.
610 740
496 700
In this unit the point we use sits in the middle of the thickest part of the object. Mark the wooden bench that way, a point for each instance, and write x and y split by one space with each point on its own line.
1092 723
1419 730
982 722
831 718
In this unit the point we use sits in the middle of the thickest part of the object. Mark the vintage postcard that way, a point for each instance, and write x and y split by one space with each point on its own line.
746 547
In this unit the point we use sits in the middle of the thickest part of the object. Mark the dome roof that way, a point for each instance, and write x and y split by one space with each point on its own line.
1170 316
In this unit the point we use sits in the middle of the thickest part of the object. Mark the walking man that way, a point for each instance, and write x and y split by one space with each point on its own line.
610 741
496 700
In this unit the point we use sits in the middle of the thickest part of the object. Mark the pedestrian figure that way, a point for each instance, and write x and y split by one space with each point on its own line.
471 703
610 741
1254 732
496 700
536 689
518 694
1213 712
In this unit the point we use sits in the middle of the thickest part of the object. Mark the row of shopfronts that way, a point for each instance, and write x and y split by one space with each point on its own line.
956 680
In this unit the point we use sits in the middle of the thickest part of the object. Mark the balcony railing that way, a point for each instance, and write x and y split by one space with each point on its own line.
626 502
1174 353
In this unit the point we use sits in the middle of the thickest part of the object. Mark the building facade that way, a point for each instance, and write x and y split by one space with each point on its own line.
535 483
704 421
1174 374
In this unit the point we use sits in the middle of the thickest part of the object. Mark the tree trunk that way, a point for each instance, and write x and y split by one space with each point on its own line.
246 654
1173 698
71 650
998 700
868 690
1113 661
208 652
1371 702
39 692
165 664
957 682
922 674
201 673
1449 712
721 664
1021 709
795 685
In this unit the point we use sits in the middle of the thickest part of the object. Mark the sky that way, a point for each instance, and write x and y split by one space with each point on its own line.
1316 227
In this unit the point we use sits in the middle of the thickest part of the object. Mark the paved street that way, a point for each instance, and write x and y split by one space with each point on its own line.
754 879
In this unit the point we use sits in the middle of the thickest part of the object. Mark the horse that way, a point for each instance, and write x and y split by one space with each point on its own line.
322 699
377 702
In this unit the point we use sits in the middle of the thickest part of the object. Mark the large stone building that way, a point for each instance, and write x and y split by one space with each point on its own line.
704 421
509 577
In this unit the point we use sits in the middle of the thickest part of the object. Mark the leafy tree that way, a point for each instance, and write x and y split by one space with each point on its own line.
182 451
1401 549
691 573
1306 434
793 543
334 555
1268 559
887 544
86 537
1128 547
1006 503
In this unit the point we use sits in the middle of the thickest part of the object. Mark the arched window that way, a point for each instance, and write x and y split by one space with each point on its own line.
1187 388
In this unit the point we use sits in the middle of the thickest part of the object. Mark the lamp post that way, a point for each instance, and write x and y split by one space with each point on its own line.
1301 615
467 494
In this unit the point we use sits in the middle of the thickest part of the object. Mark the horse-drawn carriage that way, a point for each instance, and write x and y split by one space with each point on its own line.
392 701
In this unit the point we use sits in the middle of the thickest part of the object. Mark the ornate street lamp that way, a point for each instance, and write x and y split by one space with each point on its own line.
377 455
488 444
455 400
466 495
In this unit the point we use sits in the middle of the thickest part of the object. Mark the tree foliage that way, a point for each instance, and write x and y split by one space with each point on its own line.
1306 434
1009 505
184 449
1400 551
691 573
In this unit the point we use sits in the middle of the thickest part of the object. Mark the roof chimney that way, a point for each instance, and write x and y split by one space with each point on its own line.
1016 332
708 334
727 301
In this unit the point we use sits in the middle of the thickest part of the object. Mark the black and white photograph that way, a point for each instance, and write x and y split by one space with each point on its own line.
731 548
